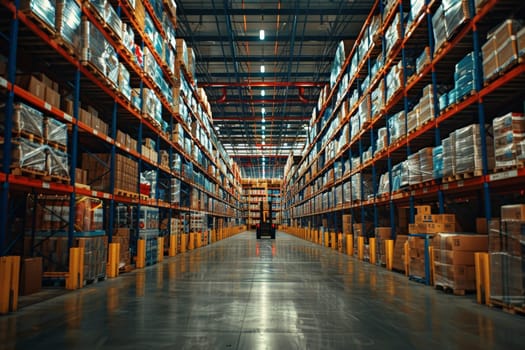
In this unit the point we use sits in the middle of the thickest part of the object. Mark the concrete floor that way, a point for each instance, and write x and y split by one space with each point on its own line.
246 294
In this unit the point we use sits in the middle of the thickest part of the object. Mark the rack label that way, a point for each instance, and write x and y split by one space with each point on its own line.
3 82
68 117
95 132
504 175
47 106
94 193
445 186
461 183
108 139
106 195
46 185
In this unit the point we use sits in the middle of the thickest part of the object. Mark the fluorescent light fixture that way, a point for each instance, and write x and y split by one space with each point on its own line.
263 142
263 93
263 120
263 111
263 136
261 34
263 127
262 68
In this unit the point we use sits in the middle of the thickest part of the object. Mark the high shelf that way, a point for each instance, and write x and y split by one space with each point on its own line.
255 191
427 109
105 133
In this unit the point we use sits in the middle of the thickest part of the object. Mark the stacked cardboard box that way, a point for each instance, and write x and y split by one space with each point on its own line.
414 171
449 155
416 265
43 9
55 252
68 23
381 235
509 133
469 151
121 235
126 172
454 259
399 252
465 76
347 224
507 256
501 49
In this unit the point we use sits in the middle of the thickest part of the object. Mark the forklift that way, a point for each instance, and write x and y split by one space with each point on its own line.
265 227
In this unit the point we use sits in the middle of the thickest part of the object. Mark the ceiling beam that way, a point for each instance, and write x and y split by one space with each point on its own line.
334 11
223 75
258 118
302 58
305 84
245 101
268 39
249 156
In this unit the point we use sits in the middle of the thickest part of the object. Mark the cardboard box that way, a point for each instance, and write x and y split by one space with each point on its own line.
52 97
513 212
31 276
461 277
454 257
461 242
383 232
32 84
481 226
423 209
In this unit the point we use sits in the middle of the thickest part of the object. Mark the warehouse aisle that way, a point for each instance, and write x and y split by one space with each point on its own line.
246 294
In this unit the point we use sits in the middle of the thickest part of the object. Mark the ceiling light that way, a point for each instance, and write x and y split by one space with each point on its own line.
263 136
285 144
263 142
263 111
261 34
262 68
263 120
263 93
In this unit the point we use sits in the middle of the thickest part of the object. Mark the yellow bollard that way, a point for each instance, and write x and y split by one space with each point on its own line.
191 243
173 246
389 246
141 254
113 259
183 238
9 281
340 242
72 280
431 264
349 244
407 258
326 239
372 250
360 247
333 242
482 261
160 249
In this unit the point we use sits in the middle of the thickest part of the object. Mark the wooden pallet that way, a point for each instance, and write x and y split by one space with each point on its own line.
95 280
451 290
469 175
67 46
509 308
128 194
57 178
29 136
83 186
39 21
519 165
99 74
27 172
125 268
57 146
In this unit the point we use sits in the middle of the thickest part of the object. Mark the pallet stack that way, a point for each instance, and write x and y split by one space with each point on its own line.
507 257
454 260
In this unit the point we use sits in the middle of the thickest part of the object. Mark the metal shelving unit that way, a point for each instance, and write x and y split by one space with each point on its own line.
257 190
361 77
213 177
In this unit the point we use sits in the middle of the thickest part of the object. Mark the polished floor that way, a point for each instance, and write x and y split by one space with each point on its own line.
242 293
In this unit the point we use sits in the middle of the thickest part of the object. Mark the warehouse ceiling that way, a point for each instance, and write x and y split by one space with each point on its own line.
263 89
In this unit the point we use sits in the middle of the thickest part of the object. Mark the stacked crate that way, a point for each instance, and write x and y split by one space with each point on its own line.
454 260
468 150
501 51
126 172
509 136
507 256
121 235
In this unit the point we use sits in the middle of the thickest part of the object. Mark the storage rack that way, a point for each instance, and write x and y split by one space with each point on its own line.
32 45
482 191
256 190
